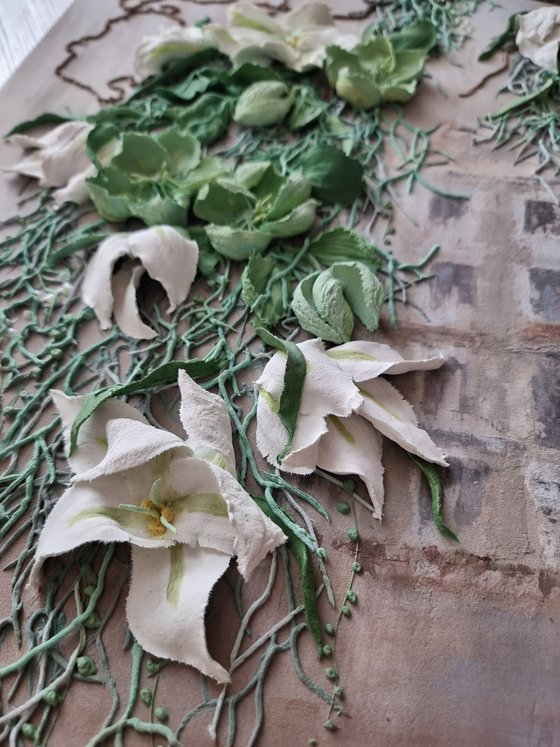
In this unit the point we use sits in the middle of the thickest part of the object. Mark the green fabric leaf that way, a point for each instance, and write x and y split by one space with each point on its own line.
335 177
236 244
223 202
179 70
251 173
297 221
293 192
208 118
341 245
140 155
182 151
362 290
266 303
208 257
321 309
522 101
358 90
421 35
161 376
84 242
306 109
303 559
376 56
249 72
263 104
499 42
99 138
42 119
294 378
208 169
434 483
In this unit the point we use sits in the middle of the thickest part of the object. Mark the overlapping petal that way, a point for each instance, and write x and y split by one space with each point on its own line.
345 406
184 516
161 251
58 159
170 44
538 37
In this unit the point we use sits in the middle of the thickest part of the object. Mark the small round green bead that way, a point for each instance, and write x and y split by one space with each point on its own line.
152 666
29 731
146 696
351 596
162 714
349 486
353 534
327 650
330 673
330 629
343 508
53 698
346 611
86 666
357 567
330 725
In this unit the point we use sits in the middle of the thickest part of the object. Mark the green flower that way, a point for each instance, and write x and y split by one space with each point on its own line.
252 207
381 68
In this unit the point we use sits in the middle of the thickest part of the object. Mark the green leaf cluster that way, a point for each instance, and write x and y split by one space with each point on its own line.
325 302
265 290
151 178
256 204
381 69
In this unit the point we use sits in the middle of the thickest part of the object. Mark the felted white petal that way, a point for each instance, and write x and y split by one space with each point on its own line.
171 43
31 165
124 284
352 446
303 456
327 390
89 512
169 593
255 534
364 360
538 37
206 422
76 189
131 444
309 16
92 437
246 15
393 416
269 50
166 255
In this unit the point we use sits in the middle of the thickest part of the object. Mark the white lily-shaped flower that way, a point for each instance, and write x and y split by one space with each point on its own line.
345 406
58 159
538 37
297 39
170 44
161 251
185 516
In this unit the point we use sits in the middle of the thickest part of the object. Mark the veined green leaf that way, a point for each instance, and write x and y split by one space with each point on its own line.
42 119
321 309
208 118
236 244
500 41
263 104
421 35
182 151
222 202
524 100
335 177
84 242
362 290
267 305
342 245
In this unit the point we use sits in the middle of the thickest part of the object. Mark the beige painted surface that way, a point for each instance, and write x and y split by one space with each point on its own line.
449 645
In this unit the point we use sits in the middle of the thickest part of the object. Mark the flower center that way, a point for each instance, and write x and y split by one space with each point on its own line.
159 514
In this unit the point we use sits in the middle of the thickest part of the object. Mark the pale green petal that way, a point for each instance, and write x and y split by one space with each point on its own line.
169 592
299 220
236 244
394 417
364 360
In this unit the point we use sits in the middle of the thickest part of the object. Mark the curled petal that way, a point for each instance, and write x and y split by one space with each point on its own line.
352 446
366 360
168 45
92 438
206 422
393 416
169 592
124 285
166 255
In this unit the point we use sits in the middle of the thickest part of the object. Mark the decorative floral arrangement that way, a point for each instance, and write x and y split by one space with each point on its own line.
254 244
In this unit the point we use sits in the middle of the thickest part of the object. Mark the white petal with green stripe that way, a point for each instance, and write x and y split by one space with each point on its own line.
364 360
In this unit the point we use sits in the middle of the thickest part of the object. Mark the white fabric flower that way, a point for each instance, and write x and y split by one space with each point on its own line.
539 36
184 516
297 39
161 251
58 159
345 406
170 44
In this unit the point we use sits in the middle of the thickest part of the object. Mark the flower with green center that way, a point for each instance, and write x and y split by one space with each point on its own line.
58 159
345 407
297 39
177 502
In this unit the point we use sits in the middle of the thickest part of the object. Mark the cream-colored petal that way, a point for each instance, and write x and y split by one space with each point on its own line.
169 593
246 15
124 284
170 44
303 456
76 189
131 444
206 422
276 50
393 416
327 390
364 360
539 36
89 512
166 254
30 165
352 446
309 16
92 437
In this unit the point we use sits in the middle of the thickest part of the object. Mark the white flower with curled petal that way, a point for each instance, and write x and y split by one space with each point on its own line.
184 516
170 44
344 409
58 159
161 251
298 39
538 37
